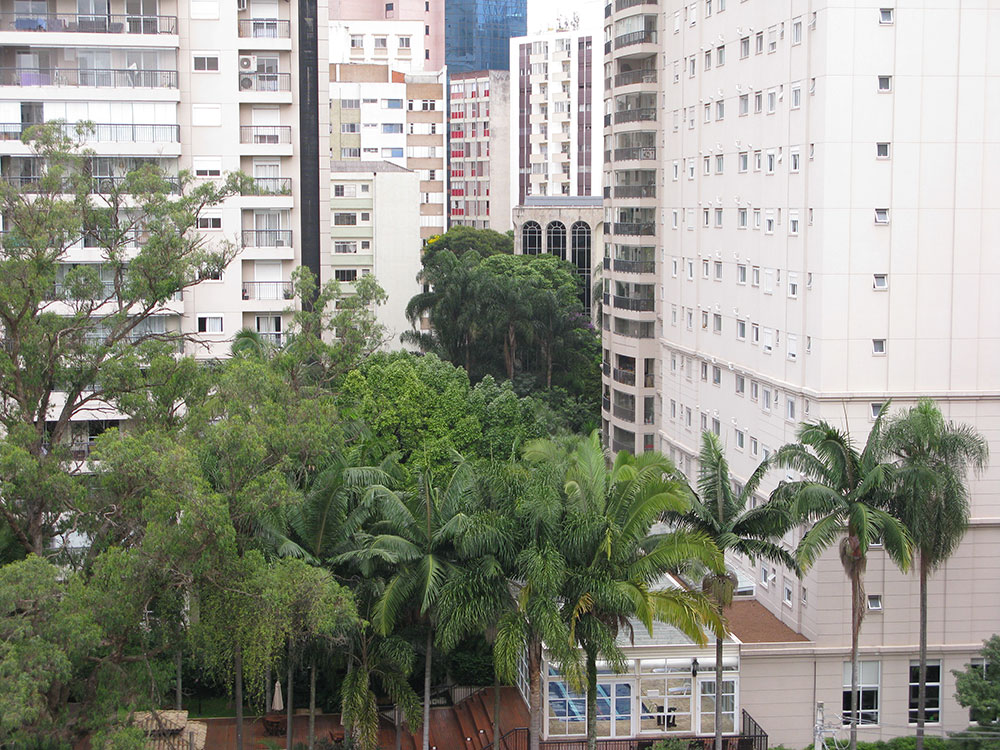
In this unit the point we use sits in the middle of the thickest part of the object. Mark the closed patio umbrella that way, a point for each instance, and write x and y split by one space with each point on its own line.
277 704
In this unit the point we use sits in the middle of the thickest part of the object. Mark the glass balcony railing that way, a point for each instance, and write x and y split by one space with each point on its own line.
106 132
264 28
89 23
265 134
95 77
267 237
269 186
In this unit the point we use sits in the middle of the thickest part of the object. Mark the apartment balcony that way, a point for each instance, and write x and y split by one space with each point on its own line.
625 377
88 23
635 37
101 185
631 77
266 140
635 266
635 153
635 304
274 339
96 78
641 114
621 5
269 186
267 296
265 87
104 138
624 412
264 28
635 191
635 228
267 244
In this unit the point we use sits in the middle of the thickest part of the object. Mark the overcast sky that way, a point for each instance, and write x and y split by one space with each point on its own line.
545 14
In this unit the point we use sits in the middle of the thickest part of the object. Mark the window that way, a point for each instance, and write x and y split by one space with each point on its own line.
754 339
885 16
392 127
381 42
206 115
881 150
755 276
932 701
765 398
717 323
787 594
741 219
772 39
758 102
720 163
741 385
720 110
718 217
795 161
744 104
704 371
206 63
345 274
885 83
717 372
741 439
345 247
741 330
744 47
878 346
754 447
350 153
207 167
793 228
345 191
792 346
357 41
345 219
392 104
797 31
716 426
875 602
881 215
209 324
209 222
875 408
404 42
718 270
759 43
869 673
741 273
790 409
720 56
708 60
764 575
804 596
796 97
880 281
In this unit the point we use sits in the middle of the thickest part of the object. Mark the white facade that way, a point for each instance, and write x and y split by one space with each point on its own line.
398 44
553 117
821 242
375 223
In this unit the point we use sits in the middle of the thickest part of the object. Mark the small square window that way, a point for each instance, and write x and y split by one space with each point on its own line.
878 346
875 602
885 16
885 83
209 222
881 215
206 63
881 150
875 408
787 594
880 281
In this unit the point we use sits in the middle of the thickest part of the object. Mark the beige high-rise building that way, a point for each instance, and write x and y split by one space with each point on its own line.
479 150
196 85
800 224
429 12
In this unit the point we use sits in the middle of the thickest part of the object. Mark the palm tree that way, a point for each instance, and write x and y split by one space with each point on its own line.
932 499
843 495
417 534
721 514
614 561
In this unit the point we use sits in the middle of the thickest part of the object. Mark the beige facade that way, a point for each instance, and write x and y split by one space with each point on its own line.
479 150
428 12
800 227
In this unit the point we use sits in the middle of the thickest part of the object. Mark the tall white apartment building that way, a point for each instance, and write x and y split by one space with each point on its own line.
553 120
479 149
398 44
200 86
379 114
375 210
800 224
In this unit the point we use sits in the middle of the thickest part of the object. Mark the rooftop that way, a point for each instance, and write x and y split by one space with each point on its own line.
337 165
752 622
564 200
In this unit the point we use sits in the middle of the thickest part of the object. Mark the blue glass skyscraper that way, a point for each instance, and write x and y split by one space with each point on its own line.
477 33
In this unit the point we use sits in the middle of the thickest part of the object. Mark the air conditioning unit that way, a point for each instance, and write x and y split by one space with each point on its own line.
241 5
246 82
248 63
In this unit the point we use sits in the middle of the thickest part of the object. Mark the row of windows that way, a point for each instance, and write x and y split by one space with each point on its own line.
413 105
381 42
869 692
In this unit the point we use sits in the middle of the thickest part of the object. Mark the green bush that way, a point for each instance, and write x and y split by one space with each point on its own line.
672 743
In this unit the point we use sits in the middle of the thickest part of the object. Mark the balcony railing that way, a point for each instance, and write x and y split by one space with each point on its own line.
269 186
607 10
626 4
267 290
635 153
606 368
264 28
607 120
607 264
267 237
635 191
95 77
89 23
38 184
647 75
635 37
265 134
606 404
634 304
265 81
635 266
107 132
625 377
274 339
638 228
642 114
624 412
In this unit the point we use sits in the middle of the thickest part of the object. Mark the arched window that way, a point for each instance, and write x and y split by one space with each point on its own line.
555 239
580 256
531 238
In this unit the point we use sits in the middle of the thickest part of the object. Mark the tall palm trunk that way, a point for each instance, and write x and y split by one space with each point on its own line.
398 717
238 694
290 728
718 693
496 708
179 697
267 690
856 590
312 703
426 742
922 689
592 699
535 695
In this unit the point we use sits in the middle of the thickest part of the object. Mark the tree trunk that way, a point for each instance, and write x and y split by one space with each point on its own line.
718 693
855 632
267 690
179 689
496 709
290 728
426 741
509 351
592 700
922 689
238 694
312 703
535 695
398 715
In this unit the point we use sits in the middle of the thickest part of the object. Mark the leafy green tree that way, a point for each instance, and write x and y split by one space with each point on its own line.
977 687
461 239
723 516
614 560
82 331
932 499
843 495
